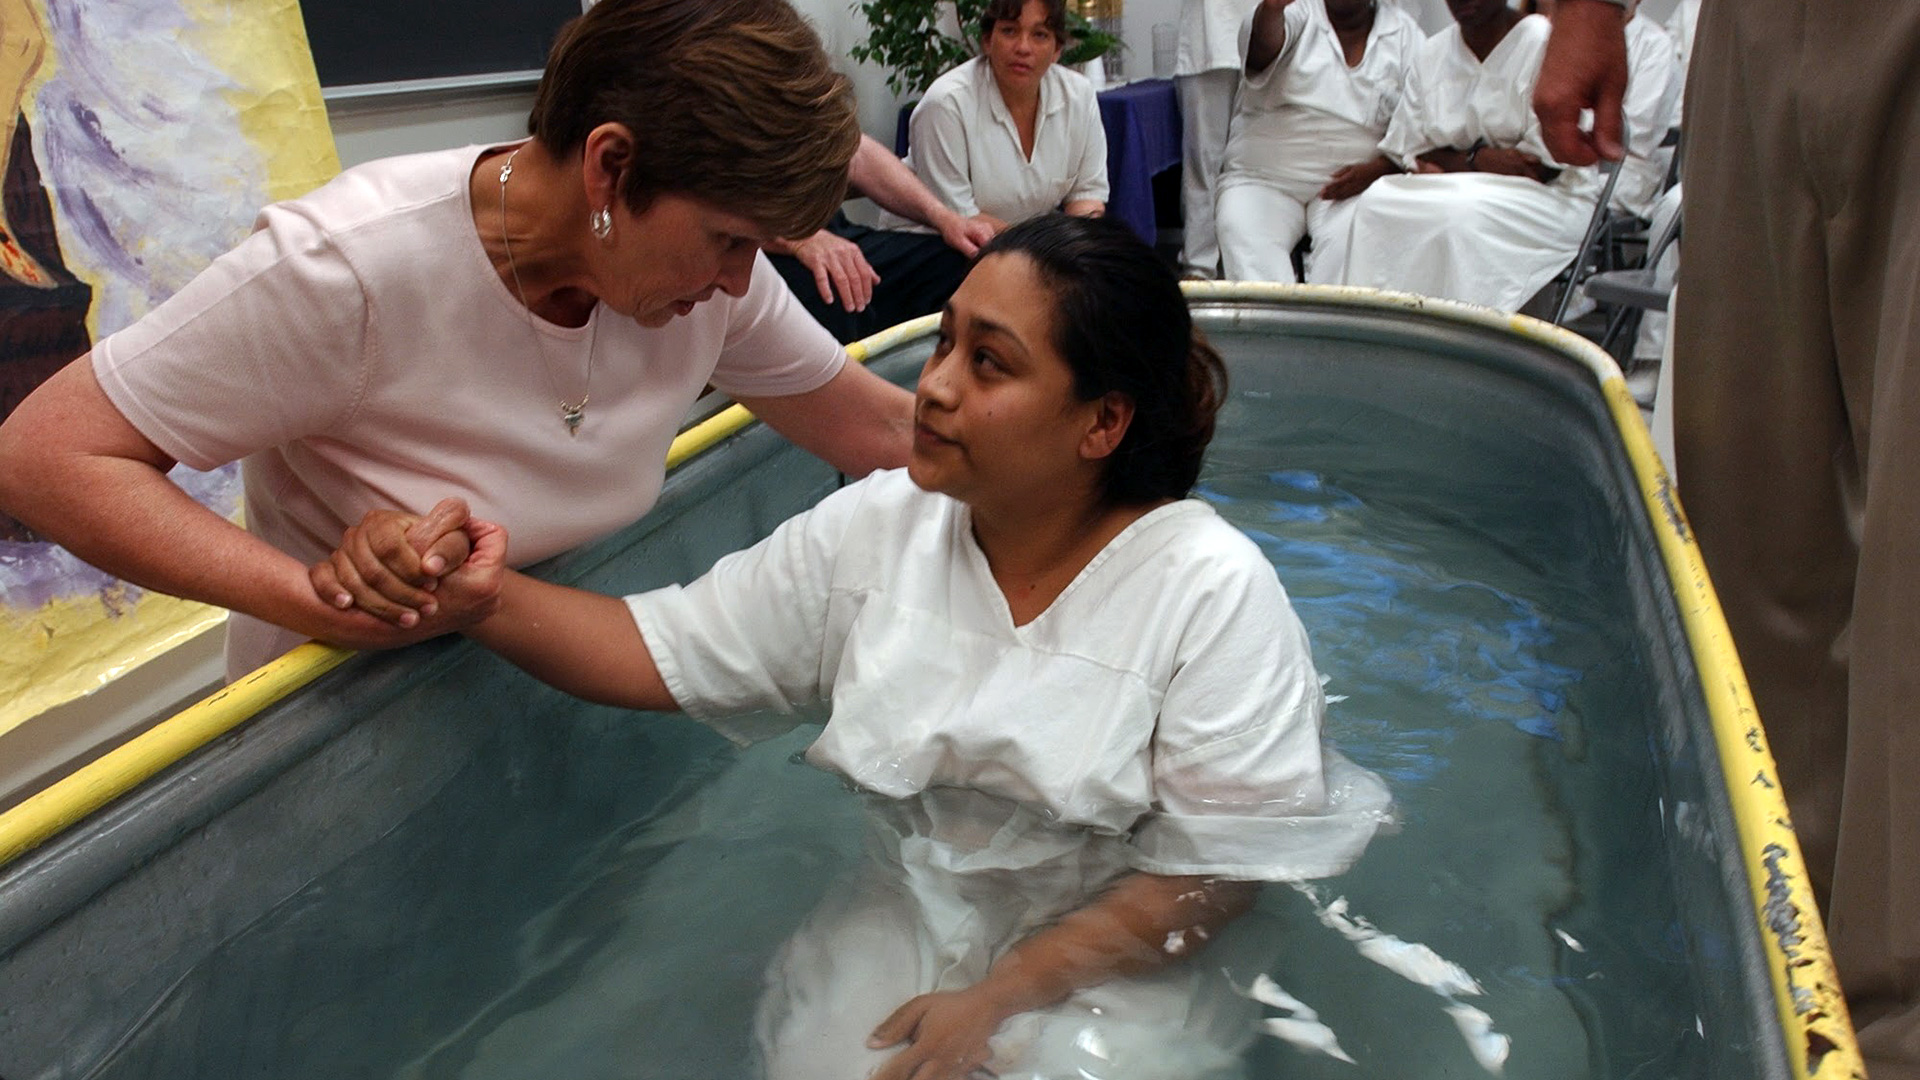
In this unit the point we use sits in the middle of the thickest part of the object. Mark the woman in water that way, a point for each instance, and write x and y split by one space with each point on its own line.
1085 717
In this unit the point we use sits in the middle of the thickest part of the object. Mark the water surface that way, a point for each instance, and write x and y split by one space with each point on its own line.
596 894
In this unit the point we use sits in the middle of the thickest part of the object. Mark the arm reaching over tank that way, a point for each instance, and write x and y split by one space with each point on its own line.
581 642
1142 922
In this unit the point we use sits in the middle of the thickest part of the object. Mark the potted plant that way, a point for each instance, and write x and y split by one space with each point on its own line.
911 40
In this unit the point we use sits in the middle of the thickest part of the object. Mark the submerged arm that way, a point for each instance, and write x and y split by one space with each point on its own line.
1143 922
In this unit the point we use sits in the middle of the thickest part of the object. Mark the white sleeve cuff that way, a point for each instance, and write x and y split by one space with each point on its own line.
1295 847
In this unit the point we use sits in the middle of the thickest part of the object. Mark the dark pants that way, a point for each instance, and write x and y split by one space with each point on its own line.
1797 439
918 271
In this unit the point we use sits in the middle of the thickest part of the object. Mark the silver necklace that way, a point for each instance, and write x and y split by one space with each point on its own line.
571 412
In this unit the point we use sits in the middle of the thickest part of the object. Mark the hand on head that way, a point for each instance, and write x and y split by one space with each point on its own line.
966 234
439 572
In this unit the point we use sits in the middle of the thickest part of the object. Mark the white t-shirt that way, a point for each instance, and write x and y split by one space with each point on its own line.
1166 700
1308 113
1650 109
964 146
359 351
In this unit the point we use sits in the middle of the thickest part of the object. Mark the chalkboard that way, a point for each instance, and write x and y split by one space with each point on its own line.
381 41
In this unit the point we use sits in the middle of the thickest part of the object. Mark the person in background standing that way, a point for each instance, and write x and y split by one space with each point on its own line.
1797 424
1206 74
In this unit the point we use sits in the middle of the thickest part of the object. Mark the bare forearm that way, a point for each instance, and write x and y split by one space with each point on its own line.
74 469
128 519
582 642
877 174
857 422
1142 923
76 472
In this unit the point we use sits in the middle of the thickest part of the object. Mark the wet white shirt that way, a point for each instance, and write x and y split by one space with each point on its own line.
1166 700
964 146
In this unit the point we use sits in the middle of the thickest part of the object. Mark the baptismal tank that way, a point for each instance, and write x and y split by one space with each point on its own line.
425 864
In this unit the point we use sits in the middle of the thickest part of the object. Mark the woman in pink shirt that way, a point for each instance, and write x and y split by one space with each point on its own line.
521 325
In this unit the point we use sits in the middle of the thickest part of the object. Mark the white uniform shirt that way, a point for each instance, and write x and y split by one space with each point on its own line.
1207 29
1308 113
1452 99
1680 27
359 351
1653 96
1166 700
964 146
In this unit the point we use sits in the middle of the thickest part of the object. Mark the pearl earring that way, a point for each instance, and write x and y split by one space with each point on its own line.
601 222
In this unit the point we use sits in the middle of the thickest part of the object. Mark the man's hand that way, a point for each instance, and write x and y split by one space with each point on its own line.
1585 68
1351 180
838 268
966 234
947 1033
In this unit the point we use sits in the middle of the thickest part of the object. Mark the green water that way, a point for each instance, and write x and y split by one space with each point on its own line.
595 895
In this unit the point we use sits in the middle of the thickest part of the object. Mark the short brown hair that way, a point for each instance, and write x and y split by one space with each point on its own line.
730 101
1011 10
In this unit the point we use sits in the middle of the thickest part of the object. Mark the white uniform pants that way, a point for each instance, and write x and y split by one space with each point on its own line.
1260 225
1206 107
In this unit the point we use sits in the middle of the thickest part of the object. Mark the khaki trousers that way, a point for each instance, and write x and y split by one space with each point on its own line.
1797 437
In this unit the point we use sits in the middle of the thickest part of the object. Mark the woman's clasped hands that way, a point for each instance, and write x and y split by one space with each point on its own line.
426 575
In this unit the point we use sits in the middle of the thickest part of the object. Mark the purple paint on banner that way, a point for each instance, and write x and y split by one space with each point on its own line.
36 574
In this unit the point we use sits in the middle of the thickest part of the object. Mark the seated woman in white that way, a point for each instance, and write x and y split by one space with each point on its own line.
1083 713
1319 81
1011 134
1481 212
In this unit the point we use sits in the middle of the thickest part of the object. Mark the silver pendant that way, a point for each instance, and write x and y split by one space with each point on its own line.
573 414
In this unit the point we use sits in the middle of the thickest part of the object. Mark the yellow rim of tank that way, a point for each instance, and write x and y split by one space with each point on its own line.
1820 1043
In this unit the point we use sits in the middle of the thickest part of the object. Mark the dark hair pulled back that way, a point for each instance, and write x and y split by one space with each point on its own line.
1122 324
